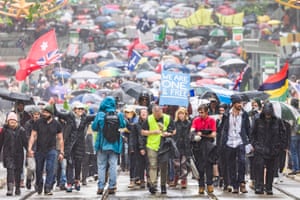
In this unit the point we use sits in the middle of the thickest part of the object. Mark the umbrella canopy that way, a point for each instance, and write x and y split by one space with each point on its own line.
145 74
233 61
15 96
84 75
87 98
152 53
134 89
217 32
197 58
253 94
230 44
110 72
7 70
78 92
285 111
205 81
91 67
214 71
115 35
223 81
62 74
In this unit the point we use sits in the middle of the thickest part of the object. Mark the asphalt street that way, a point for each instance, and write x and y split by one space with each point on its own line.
288 189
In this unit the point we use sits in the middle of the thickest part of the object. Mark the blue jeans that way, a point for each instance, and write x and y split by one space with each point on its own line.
104 158
63 176
295 152
49 159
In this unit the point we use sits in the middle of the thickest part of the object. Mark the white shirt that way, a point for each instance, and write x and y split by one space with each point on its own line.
235 126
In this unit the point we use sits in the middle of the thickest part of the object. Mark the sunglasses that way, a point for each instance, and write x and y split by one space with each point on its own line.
79 108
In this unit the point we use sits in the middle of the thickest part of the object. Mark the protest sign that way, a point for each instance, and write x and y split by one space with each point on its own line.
175 88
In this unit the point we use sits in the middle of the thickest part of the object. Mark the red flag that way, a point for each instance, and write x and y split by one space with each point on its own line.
132 45
43 52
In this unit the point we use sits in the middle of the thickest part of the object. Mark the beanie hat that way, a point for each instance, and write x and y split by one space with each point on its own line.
12 116
49 109
258 102
235 99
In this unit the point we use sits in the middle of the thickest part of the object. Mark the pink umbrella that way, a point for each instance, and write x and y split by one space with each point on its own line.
214 71
89 55
174 47
152 53
205 81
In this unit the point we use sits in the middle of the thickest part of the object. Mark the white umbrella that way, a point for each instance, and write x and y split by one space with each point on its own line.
233 61
223 81
85 75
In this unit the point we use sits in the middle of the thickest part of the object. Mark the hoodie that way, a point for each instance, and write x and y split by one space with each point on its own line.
107 105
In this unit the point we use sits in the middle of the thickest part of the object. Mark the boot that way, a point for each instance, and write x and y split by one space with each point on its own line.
201 190
183 183
131 184
17 191
28 184
163 189
210 189
10 189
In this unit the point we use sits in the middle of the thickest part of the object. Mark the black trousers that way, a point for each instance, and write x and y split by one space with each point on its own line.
133 172
14 176
73 166
260 163
142 166
89 165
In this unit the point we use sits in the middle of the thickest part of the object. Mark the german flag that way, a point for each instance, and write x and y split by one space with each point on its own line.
277 84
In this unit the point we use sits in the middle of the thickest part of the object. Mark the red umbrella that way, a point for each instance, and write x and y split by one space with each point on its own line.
174 48
139 47
152 53
226 11
108 31
89 55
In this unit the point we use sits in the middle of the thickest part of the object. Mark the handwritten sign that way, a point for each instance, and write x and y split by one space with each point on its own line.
175 88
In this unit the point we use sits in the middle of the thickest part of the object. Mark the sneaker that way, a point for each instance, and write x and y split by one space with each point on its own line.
77 185
269 192
131 184
276 180
22 185
84 182
69 188
235 191
39 190
62 187
243 188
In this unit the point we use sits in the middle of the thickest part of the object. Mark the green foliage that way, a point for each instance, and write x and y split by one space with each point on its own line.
256 8
33 11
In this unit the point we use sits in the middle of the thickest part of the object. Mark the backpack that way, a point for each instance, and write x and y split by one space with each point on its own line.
111 127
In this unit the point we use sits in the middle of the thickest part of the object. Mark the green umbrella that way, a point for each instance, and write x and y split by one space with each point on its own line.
217 32
285 111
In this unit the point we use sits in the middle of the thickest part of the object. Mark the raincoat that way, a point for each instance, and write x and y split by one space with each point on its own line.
107 105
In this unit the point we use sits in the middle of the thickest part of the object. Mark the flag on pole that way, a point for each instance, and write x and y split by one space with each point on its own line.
134 59
162 34
43 52
144 24
132 45
277 84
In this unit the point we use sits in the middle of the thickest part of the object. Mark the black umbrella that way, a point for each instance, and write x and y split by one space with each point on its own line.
134 89
7 70
253 94
91 67
15 96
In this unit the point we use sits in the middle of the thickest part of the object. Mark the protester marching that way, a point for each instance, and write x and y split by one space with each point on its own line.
167 93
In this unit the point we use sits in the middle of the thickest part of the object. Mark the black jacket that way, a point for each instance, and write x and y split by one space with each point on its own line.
74 138
182 137
13 143
268 136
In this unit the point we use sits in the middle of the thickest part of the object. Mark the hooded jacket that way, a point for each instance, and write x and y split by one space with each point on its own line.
107 105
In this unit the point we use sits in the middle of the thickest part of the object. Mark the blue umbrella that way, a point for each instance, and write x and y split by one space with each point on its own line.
87 98
62 74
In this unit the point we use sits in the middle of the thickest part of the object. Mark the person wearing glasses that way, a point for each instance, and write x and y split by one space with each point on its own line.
203 133
76 125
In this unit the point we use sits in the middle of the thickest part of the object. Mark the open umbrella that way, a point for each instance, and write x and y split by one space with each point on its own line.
145 74
134 89
253 94
7 70
233 61
91 67
110 72
214 71
285 111
230 44
217 32
87 98
85 75
15 96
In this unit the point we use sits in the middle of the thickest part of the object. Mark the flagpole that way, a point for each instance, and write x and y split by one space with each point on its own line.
60 69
